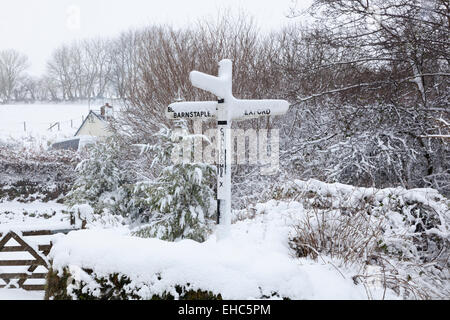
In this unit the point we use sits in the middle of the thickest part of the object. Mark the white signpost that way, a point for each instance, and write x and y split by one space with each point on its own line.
226 109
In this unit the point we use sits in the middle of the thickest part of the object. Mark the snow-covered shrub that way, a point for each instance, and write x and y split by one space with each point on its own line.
396 237
254 263
104 181
179 203
84 216
84 284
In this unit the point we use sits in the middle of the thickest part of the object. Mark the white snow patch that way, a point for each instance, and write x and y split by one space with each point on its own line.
15 215
20 294
254 262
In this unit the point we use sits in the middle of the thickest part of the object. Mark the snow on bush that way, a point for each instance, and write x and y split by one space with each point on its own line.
398 238
314 241
254 263
179 203
103 184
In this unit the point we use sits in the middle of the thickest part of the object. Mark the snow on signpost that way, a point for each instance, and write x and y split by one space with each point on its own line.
226 109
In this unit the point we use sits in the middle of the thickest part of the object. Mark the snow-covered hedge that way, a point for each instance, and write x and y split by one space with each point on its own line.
114 286
100 264
312 241
28 175
395 236
255 262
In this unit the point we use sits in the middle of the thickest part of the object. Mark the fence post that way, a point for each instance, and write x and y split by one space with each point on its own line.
59 129
24 126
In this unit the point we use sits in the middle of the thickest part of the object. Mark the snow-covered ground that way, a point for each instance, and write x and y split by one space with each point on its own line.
255 261
19 294
34 215
30 123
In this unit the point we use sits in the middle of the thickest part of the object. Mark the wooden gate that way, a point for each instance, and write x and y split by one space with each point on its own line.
39 253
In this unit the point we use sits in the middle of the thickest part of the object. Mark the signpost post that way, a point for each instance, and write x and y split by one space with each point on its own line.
226 109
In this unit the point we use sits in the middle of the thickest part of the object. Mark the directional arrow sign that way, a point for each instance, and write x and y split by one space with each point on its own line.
244 109
196 109
248 109
226 109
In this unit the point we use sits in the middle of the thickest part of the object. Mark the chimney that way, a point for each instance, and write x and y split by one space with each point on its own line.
109 111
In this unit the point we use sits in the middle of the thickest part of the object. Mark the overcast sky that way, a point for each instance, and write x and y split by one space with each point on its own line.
36 27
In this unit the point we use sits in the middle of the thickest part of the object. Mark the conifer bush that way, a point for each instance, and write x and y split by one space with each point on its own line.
104 181
179 203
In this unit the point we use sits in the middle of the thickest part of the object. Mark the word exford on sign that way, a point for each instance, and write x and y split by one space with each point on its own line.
224 110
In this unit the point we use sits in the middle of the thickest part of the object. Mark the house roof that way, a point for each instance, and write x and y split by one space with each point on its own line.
96 115
71 143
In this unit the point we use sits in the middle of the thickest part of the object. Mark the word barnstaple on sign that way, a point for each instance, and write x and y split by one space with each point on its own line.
226 109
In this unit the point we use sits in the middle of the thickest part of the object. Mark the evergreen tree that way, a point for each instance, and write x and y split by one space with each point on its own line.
180 202
104 180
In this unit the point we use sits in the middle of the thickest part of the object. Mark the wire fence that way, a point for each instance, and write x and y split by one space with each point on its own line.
32 123
49 125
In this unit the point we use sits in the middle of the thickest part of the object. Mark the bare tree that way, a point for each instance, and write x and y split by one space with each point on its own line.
372 76
158 68
82 69
59 68
12 68
123 54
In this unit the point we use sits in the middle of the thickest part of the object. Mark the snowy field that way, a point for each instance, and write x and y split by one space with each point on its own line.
33 215
35 120
31 123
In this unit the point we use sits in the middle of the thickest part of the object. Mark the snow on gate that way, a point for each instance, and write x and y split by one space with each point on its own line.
23 262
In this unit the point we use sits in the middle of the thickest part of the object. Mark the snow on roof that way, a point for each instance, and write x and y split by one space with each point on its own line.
87 117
